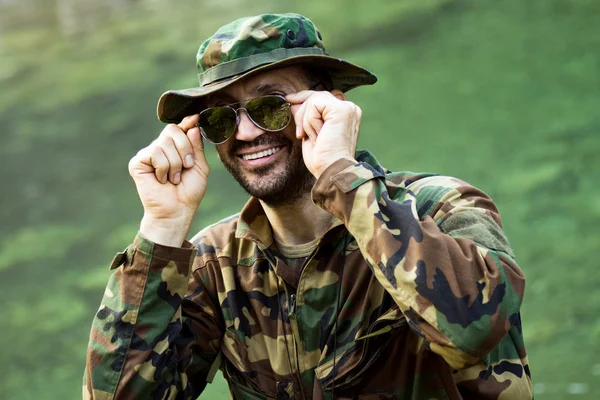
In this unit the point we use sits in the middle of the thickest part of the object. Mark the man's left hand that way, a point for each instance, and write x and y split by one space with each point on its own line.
328 126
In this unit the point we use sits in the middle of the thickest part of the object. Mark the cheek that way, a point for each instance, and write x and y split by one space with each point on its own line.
223 150
290 132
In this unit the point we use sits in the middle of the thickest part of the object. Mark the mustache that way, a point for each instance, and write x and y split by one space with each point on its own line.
273 139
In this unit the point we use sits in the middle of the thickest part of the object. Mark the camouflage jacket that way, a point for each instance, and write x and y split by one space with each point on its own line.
414 289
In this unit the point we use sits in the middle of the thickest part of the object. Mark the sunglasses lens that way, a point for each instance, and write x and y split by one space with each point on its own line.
269 112
218 123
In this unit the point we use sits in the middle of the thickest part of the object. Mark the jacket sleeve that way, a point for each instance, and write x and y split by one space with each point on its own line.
155 335
436 245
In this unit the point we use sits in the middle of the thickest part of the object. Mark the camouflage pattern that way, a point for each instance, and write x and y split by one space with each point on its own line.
429 297
253 44
262 34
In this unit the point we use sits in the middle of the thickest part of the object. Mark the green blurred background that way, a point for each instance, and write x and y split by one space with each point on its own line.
504 94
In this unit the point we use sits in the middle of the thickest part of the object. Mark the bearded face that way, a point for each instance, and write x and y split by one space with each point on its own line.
281 180
268 165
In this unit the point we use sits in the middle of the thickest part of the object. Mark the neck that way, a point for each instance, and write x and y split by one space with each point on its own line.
298 223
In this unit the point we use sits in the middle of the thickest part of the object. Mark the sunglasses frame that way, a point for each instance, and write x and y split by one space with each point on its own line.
237 116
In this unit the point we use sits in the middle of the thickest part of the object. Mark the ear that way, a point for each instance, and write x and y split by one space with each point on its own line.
338 94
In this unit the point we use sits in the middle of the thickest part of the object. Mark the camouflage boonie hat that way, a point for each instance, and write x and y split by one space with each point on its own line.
254 44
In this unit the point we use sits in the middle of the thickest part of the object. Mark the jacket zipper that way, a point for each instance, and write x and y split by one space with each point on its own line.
294 325
293 320
295 339
292 303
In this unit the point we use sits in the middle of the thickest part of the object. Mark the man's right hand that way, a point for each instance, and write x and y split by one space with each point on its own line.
171 176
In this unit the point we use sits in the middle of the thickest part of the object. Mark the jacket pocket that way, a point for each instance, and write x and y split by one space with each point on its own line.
239 391
352 364
234 349
246 380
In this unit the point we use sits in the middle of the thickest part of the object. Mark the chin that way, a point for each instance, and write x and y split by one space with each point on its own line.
277 185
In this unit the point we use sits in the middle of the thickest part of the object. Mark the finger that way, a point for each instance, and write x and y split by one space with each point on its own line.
141 163
183 145
299 97
198 149
312 121
160 163
175 162
356 127
294 109
298 120
358 112
188 122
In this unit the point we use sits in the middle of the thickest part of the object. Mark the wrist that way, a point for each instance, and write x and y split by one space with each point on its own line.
325 165
166 232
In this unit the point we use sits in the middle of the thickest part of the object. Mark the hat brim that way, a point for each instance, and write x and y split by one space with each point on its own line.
175 105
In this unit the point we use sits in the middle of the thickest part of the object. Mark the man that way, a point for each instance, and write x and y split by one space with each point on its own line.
339 278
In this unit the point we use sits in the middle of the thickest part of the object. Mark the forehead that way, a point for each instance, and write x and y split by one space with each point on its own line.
286 79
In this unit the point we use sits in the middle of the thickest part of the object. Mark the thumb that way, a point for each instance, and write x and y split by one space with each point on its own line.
299 97
195 139
188 122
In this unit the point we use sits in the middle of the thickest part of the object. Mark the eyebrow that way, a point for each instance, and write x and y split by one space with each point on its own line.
256 91
268 87
215 98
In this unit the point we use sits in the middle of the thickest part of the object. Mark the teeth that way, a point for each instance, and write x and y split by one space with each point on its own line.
260 154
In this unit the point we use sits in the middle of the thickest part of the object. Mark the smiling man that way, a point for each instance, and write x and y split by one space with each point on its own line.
267 165
338 279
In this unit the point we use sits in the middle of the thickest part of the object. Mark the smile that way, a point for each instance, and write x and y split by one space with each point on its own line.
260 154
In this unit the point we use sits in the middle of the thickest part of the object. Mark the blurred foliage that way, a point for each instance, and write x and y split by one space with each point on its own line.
504 94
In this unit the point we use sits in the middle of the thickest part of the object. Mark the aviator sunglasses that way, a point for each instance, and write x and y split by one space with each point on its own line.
271 113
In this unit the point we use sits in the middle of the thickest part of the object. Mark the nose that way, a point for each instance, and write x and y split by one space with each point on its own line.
246 129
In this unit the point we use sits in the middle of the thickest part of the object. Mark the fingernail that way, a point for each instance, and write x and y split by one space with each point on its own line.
177 177
189 160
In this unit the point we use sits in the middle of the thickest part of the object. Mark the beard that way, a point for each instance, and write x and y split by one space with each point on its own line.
275 188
